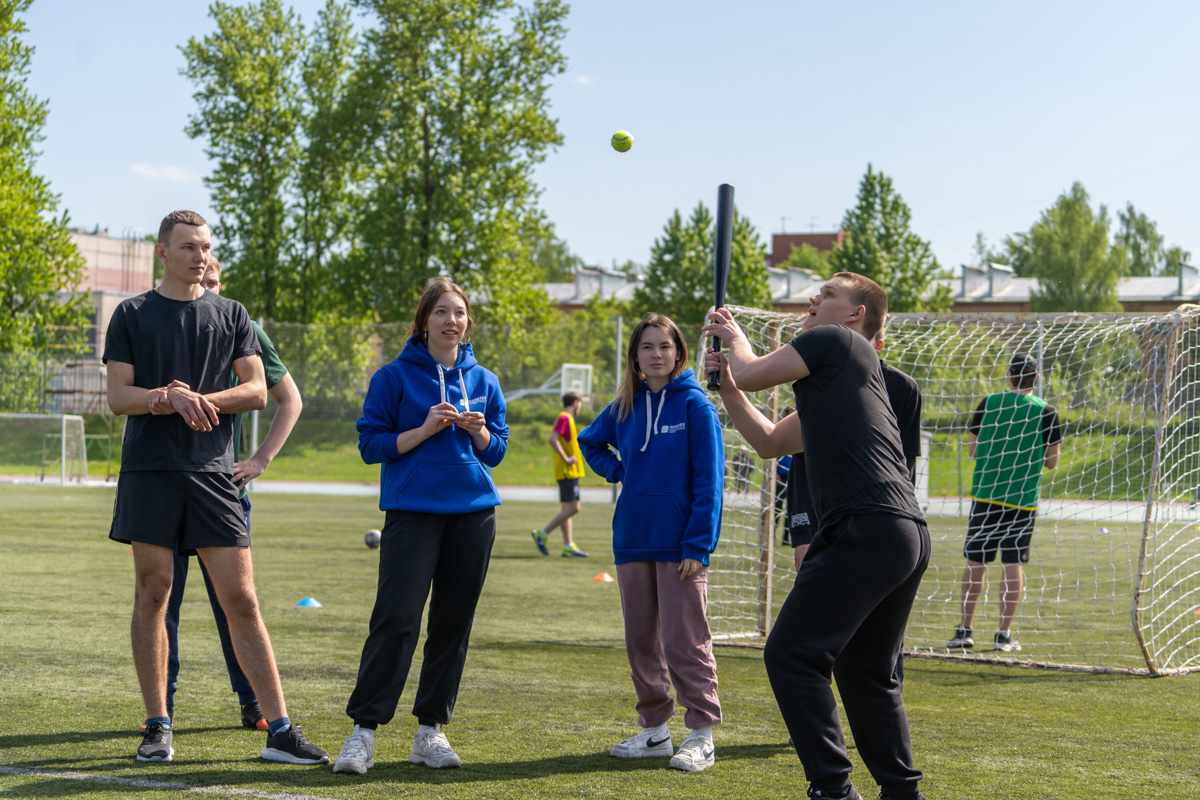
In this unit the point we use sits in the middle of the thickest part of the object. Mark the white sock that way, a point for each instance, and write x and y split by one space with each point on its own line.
428 730
705 732
367 732
660 730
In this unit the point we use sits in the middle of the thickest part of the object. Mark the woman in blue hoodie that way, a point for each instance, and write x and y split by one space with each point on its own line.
434 419
667 520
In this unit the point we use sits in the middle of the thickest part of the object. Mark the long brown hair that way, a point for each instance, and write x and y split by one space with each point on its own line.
632 382
433 292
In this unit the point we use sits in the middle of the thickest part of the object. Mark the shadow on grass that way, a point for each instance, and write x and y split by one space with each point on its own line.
309 779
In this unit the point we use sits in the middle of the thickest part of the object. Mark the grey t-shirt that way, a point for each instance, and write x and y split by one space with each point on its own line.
852 449
194 341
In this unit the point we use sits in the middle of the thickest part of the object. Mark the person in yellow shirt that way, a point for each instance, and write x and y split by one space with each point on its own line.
568 469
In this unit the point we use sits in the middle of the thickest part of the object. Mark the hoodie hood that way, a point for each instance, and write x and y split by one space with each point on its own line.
415 352
682 383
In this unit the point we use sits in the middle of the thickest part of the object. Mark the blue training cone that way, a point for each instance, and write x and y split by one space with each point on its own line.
309 602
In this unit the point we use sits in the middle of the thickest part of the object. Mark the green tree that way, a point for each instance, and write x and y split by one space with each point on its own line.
249 111
810 258
1068 251
881 245
1141 238
1173 257
679 277
453 117
38 261
554 260
322 214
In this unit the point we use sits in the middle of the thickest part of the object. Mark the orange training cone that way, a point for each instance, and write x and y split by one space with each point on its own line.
605 577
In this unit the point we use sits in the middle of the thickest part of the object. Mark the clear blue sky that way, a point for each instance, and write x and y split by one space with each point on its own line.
981 113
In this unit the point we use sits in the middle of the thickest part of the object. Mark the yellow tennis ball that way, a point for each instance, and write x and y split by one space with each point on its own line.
622 141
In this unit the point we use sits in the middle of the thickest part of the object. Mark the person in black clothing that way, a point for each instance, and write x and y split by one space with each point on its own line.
868 554
170 354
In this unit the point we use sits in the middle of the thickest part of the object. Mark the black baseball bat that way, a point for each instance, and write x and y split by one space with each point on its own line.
721 262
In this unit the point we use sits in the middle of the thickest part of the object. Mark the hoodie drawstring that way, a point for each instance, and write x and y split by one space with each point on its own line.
462 385
653 427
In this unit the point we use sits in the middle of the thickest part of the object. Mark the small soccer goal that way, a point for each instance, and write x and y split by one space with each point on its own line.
1113 581
47 447
577 378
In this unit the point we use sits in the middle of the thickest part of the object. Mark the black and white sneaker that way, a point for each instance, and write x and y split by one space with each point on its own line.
291 747
824 794
645 745
1005 642
962 638
156 743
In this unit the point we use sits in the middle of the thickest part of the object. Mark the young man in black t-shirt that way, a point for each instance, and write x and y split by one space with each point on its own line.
848 608
171 353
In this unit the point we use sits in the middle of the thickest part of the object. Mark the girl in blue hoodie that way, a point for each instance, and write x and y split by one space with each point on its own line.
434 419
667 520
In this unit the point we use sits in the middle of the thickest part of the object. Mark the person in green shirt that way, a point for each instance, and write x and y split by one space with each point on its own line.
1014 436
281 387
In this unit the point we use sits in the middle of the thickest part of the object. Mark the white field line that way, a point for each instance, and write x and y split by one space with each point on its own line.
142 783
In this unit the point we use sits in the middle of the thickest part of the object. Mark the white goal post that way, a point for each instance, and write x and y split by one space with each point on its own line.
49 447
1113 580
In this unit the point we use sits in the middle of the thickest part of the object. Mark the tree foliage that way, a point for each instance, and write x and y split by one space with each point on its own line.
353 166
679 277
809 258
38 260
249 110
1140 236
881 245
1068 251
454 118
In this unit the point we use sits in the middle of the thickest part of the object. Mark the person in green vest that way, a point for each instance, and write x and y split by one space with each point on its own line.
1014 436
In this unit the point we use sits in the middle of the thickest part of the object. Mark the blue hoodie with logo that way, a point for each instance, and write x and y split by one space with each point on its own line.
444 474
672 468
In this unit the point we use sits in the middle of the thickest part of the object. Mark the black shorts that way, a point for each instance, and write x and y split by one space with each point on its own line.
995 528
568 490
180 510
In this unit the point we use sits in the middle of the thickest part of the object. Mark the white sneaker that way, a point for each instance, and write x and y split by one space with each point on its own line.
695 754
645 744
433 750
358 753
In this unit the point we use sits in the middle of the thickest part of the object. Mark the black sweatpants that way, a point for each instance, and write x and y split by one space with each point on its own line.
845 617
449 552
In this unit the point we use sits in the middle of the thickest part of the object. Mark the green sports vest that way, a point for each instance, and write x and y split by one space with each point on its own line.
1010 452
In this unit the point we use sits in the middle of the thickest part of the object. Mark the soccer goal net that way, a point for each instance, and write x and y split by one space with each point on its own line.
1113 578
46 447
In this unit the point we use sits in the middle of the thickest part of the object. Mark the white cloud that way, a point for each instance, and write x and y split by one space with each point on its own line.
583 80
167 173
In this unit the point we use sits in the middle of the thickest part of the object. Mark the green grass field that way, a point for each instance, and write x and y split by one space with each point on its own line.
546 690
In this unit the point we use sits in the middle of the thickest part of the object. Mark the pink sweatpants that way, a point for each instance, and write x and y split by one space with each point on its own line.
666 633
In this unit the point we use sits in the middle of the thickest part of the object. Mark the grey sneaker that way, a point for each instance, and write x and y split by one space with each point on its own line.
1006 643
290 746
358 753
962 638
433 750
645 744
695 754
156 743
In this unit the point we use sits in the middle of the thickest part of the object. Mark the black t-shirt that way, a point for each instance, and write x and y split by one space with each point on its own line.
852 445
905 398
194 341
